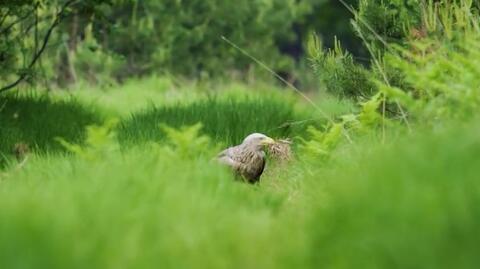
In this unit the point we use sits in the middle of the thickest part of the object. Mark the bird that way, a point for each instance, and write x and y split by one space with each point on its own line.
247 159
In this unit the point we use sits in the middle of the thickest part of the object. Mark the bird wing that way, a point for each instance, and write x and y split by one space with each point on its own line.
248 164
229 158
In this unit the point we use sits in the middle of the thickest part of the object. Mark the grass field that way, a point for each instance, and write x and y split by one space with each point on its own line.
135 198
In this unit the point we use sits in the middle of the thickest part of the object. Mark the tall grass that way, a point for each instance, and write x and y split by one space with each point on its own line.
225 119
36 120
146 208
412 203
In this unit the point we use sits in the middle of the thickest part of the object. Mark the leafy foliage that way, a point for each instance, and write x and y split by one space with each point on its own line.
331 21
186 142
100 141
437 69
104 41
399 203
389 20
340 74
27 28
440 68
320 144
154 35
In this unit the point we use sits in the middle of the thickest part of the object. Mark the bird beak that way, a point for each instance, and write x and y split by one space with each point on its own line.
268 141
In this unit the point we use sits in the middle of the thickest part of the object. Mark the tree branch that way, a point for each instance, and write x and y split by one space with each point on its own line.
7 28
4 17
59 17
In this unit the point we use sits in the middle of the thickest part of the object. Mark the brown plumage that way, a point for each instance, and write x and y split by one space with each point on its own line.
248 158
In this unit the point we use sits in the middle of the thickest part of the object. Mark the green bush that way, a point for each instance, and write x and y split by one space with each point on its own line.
338 71
330 19
95 64
440 73
390 20
104 40
184 37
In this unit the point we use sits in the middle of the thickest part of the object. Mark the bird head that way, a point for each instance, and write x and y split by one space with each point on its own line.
258 140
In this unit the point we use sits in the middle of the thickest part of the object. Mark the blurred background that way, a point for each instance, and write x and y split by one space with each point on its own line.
103 42
111 112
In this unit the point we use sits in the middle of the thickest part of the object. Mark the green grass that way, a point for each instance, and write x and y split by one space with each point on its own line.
228 119
392 197
134 95
140 209
228 113
411 202
37 119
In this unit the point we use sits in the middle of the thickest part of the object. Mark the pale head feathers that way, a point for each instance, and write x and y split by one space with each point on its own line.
257 140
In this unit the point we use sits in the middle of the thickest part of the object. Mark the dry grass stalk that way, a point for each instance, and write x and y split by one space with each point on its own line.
281 150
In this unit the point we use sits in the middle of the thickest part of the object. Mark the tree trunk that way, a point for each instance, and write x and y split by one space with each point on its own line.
67 75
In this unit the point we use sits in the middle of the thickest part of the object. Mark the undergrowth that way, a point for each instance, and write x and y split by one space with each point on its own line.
391 184
161 203
228 119
411 203
35 120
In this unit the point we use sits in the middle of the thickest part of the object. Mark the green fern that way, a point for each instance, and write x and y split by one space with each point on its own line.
100 140
321 143
186 142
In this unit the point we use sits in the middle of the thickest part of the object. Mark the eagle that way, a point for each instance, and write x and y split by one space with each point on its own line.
248 158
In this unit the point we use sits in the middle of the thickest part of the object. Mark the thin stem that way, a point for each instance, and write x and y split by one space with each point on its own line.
290 85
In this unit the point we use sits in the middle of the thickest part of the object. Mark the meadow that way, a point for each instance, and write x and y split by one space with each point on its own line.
134 197
384 172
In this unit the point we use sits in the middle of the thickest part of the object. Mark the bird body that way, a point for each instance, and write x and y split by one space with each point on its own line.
248 158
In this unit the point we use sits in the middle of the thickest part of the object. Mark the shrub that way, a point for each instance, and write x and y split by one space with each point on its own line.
440 68
338 71
184 37
96 64
391 20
